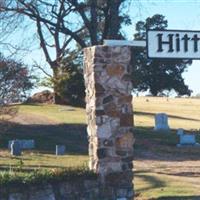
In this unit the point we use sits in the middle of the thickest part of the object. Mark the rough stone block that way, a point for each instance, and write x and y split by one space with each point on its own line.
17 196
108 143
115 70
45 194
104 130
125 141
101 153
126 120
108 99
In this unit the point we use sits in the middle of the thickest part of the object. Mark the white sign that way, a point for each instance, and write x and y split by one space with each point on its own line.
173 44
134 43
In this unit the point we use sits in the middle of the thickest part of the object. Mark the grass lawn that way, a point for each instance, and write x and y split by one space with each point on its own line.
48 125
52 114
162 171
182 112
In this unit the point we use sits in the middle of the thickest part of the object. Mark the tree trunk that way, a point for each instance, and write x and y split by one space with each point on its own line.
58 99
114 19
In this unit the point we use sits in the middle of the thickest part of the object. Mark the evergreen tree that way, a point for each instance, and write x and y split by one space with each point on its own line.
157 75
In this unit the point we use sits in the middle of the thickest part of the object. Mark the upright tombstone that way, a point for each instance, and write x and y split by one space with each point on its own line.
24 144
107 77
60 150
161 122
15 148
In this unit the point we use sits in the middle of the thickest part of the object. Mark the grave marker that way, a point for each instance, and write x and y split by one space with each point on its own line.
60 150
15 148
187 139
161 122
24 144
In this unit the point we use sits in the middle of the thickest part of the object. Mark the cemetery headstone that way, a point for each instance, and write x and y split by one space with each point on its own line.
24 144
187 140
15 148
161 122
60 150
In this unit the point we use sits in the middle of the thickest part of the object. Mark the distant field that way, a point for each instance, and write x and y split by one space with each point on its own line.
162 171
182 112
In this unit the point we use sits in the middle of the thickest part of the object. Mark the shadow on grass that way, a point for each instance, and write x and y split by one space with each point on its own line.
46 137
149 144
152 181
179 198
183 174
170 116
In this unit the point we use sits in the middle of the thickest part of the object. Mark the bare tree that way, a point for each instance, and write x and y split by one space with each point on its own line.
59 22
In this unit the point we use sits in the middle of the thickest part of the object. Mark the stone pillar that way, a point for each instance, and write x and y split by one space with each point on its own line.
110 118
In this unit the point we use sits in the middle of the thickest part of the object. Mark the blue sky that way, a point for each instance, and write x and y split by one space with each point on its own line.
181 14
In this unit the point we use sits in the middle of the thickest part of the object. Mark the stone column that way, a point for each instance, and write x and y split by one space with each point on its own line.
110 118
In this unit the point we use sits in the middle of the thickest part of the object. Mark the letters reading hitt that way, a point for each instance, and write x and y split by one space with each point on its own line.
174 42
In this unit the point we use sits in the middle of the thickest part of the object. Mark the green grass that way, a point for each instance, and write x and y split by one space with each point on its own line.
55 113
17 178
48 125
162 171
34 160
157 186
182 112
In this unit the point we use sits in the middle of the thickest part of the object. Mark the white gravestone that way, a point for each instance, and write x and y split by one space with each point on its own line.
161 122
